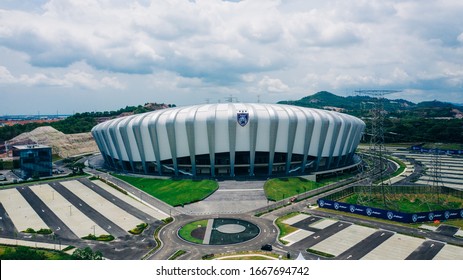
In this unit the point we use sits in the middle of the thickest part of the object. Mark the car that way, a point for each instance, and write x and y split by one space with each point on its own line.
2 177
267 247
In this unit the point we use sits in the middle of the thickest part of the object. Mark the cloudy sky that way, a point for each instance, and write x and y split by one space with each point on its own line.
85 55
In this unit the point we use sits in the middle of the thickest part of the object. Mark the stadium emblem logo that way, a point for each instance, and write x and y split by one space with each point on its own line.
369 211
242 118
390 215
336 205
447 215
352 208
321 202
414 218
431 216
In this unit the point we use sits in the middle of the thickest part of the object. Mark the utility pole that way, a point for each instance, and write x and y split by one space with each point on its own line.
377 150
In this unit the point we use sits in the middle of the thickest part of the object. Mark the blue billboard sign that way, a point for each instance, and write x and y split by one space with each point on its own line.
391 215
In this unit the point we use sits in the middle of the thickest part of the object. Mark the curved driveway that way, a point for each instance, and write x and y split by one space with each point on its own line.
171 242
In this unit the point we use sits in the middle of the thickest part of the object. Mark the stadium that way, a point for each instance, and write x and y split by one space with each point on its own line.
230 139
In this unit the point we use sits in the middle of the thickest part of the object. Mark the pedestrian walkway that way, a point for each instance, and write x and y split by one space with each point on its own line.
207 234
232 197
153 212
33 244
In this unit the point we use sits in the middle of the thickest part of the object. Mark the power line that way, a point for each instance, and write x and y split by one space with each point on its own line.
377 150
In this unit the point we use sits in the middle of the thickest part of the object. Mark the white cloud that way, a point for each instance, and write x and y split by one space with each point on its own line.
218 47
460 38
272 85
5 76
75 78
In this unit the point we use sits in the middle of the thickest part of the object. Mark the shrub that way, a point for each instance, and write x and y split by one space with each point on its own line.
29 230
139 229
44 231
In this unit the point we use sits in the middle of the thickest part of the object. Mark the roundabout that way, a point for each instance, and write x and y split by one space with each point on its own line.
219 231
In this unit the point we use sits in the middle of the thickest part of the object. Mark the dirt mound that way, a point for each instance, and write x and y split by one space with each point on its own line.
65 145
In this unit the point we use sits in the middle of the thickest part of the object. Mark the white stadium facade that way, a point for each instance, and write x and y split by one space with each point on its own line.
230 139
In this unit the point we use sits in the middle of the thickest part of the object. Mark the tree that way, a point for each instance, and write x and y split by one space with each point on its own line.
78 168
87 254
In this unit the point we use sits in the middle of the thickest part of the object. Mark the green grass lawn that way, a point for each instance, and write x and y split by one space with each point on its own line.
173 192
285 229
281 188
185 231
453 222
26 253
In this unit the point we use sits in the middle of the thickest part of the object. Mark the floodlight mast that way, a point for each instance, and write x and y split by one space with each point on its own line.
377 148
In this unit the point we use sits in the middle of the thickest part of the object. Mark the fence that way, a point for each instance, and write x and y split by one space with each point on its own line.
331 202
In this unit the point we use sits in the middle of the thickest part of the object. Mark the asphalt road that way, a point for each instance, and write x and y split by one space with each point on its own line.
391 227
447 230
306 223
6 225
171 242
128 246
426 251
321 235
362 248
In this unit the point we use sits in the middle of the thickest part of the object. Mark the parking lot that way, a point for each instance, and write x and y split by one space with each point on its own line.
344 240
72 209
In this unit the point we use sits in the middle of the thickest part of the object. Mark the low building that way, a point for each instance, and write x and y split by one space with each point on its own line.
32 161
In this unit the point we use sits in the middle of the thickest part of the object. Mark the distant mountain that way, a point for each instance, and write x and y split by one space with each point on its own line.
360 104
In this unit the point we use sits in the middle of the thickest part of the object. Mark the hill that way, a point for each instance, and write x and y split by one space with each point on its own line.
64 145
405 121
359 105
77 123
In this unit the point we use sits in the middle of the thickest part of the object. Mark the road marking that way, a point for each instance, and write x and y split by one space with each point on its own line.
350 256
432 245
80 204
109 227
58 229
316 237
43 211
382 234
